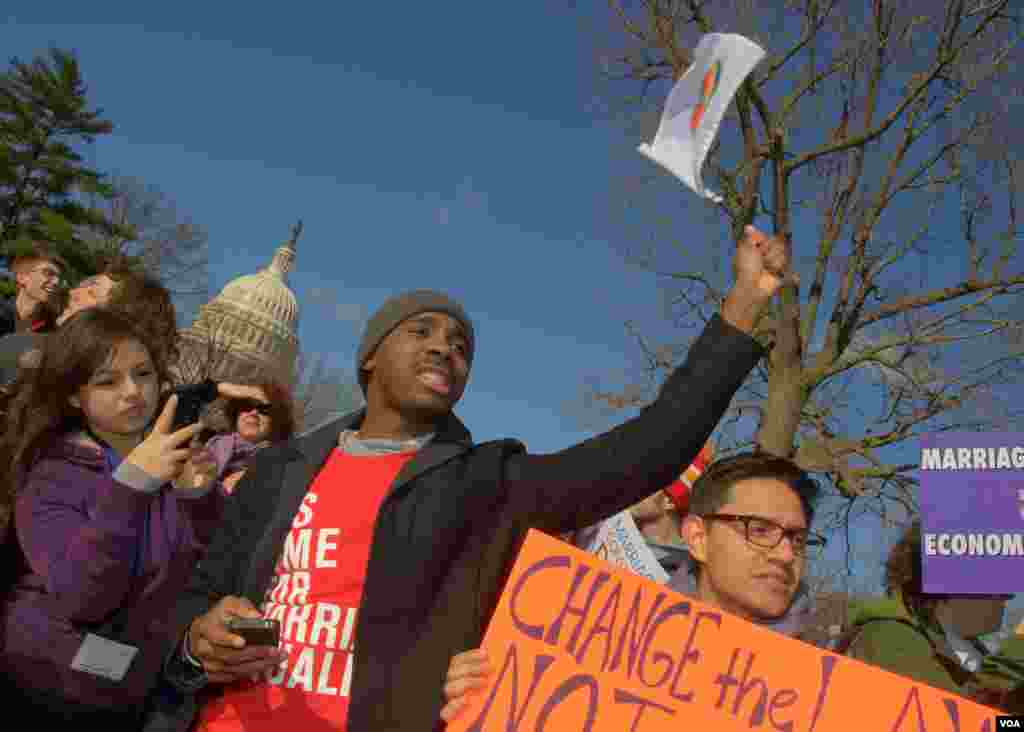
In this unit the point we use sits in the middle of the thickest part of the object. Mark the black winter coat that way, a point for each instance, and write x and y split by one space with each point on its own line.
449 528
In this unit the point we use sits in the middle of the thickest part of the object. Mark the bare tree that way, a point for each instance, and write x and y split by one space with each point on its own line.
323 392
168 244
883 133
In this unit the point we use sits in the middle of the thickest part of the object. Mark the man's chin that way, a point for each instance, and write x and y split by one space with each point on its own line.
432 407
769 612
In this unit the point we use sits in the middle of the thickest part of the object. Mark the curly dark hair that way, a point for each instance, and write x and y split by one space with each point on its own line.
282 410
141 298
903 565
903 573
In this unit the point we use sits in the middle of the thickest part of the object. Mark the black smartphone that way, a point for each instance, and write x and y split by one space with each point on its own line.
191 401
256 631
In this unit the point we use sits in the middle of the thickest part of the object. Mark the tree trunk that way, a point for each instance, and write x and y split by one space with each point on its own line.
786 394
777 432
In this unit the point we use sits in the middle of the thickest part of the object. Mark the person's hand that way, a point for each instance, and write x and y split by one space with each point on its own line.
231 481
198 473
762 264
761 267
228 390
467 672
223 654
163 453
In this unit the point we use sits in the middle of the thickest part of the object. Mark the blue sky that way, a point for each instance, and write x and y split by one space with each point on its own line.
445 145
449 148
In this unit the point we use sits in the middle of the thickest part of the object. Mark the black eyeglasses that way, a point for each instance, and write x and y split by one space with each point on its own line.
767 534
251 405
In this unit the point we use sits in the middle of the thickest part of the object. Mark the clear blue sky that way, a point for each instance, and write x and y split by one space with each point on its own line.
445 145
441 145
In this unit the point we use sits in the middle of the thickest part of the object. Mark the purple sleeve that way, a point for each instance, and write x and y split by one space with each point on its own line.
81 542
222 448
202 514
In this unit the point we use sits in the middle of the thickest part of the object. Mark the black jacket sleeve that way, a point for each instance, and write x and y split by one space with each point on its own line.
603 475
216 575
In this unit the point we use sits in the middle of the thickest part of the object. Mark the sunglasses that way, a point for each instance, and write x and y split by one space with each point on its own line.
251 405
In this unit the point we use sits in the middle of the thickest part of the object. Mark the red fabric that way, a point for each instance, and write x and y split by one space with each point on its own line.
316 592
679 489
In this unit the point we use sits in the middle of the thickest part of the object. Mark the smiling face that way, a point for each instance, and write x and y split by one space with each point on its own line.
39 279
420 369
121 396
750 581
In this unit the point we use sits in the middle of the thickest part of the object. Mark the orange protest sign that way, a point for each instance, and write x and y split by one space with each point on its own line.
579 645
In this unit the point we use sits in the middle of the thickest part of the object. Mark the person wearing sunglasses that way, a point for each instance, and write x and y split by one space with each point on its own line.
260 415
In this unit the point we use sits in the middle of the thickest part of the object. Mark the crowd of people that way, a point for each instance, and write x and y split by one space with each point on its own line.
133 545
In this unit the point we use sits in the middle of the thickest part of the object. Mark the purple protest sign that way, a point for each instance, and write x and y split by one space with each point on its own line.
972 512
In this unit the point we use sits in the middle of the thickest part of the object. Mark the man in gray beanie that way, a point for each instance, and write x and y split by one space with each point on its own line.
381 541
399 309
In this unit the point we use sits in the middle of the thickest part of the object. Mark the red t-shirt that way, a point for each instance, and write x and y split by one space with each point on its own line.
317 587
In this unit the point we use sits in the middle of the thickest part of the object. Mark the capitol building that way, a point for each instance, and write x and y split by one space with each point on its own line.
249 329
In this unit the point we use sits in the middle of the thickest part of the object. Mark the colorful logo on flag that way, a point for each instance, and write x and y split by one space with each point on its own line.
708 89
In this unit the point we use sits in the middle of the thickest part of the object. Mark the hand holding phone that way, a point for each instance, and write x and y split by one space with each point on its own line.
191 401
256 631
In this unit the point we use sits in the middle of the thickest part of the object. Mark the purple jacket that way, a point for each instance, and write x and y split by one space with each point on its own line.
231 452
80 531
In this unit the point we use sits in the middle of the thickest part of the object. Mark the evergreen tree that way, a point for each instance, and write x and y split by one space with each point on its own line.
45 186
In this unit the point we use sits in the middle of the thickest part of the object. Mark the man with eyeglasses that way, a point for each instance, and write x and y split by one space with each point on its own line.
37 277
120 286
748 540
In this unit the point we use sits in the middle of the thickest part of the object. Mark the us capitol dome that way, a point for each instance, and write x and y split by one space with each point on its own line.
249 329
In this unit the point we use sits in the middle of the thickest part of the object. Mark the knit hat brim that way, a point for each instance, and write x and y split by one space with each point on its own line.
400 308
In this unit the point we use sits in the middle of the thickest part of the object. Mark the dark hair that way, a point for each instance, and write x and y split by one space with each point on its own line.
40 410
282 410
713 489
903 574
142 299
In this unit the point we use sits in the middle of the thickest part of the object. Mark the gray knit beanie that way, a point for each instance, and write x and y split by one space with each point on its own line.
401 307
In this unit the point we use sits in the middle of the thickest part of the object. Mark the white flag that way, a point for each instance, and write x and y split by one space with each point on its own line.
697 103
620 542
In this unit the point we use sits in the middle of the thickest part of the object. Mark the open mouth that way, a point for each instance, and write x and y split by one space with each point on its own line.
436 381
